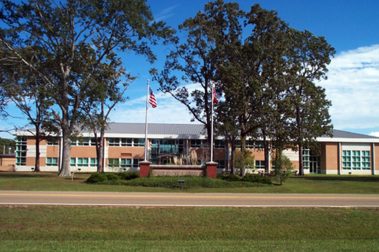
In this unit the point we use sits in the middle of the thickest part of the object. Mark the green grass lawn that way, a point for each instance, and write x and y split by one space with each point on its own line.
306 184
188 229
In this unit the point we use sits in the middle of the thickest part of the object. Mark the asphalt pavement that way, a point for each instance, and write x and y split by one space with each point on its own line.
156 199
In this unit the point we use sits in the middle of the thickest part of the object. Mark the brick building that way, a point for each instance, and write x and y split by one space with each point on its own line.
343 153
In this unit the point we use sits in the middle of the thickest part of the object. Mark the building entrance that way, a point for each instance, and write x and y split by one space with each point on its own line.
314 164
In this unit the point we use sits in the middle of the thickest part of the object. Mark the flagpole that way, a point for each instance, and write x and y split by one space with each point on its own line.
212 121
147 101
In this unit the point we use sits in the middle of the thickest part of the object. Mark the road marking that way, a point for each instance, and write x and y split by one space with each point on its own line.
94 195
184 205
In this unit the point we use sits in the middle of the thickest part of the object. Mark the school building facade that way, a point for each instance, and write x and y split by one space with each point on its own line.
185 144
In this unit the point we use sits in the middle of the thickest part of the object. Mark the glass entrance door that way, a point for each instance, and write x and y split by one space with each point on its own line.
314 164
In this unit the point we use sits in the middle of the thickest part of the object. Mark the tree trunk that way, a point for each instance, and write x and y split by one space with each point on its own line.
278 164
65 169
227 153
301 166
233 151
36 161
300 140
243 153
100 152
266 153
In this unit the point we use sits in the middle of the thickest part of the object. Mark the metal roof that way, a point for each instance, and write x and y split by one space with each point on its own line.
156 128
347 134
192 129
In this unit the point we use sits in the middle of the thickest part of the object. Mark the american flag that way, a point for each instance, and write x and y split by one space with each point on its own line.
152 100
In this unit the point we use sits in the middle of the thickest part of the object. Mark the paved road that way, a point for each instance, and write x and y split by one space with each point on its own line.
187 199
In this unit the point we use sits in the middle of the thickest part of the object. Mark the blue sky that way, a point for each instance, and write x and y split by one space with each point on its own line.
350 26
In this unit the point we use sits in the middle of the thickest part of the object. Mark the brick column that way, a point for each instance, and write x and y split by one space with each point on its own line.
211 170
144 169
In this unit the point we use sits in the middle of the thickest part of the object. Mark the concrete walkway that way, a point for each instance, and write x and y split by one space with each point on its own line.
148 199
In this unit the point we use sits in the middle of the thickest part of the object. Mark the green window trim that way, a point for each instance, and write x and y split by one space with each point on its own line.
93 162
73 162
356 160
82 162
113 162
51 161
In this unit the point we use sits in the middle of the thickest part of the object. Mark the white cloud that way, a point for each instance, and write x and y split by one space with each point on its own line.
353 88
375 134
166 13
168 110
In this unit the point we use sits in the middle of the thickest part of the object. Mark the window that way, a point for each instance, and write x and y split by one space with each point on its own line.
51 161
83 141
136 162
82 161
197 143
366 160
139 142
238 143
114 141
306 158
346 160
21 151
113 162
356 160
74 142
250 144
356 164
220 164
93 141
126 141
93 162
52 141
73 162
126 162
259 144
259 164
219 144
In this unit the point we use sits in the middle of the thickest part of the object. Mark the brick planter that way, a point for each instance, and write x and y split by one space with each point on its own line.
211 169
144 169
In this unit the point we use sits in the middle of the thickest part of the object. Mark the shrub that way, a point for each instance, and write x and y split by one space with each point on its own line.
111 177
128 175
103 178
97 178
283 168
243 161
230 177
255 178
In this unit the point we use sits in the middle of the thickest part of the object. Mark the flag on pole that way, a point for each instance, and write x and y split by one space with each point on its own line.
214 96
152 100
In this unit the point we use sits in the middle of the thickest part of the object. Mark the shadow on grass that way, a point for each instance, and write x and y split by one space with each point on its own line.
26 174
340 178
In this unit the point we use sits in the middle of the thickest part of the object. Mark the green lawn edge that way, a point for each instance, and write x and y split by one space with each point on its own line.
307 184
41 228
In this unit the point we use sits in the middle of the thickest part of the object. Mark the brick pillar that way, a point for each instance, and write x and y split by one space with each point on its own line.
144 169
211 170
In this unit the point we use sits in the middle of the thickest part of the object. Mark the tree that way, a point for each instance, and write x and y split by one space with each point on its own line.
307 62
238 86
277 63
3 101
227 125
108 90
29 95
195 59
248 72
76 38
